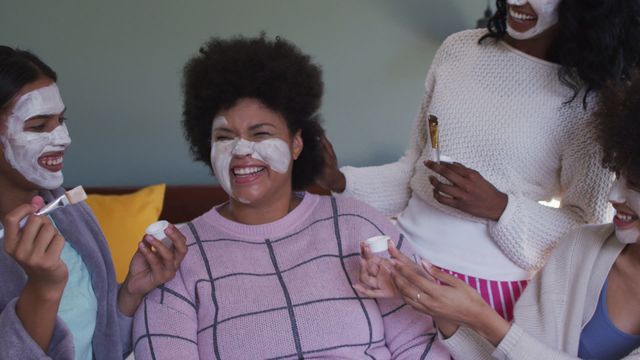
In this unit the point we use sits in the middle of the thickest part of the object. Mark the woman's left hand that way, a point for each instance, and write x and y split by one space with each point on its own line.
468 191
450 302
452 299
149 269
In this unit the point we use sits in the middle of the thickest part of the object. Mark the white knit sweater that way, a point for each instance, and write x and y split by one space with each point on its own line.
557 304
502 113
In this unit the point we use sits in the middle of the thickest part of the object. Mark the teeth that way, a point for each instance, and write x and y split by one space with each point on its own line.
625 217
53 161
247 171
520 16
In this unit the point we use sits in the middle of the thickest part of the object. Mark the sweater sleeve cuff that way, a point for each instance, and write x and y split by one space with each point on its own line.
466 344
125 324
508 343
500 227
16 342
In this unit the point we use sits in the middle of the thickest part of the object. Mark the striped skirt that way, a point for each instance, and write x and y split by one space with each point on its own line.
501 295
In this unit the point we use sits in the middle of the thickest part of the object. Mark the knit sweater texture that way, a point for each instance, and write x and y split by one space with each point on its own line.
281 290
557 304
505 114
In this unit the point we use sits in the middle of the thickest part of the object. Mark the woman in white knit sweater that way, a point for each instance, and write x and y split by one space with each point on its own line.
584 302
514 106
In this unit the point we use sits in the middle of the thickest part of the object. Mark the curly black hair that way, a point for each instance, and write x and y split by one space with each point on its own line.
276 73
618 128
597 41
17 69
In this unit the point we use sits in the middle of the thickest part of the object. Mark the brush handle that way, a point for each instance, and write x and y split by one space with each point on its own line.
59 202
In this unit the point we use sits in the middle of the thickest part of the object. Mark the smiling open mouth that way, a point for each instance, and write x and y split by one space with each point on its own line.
52 161
521 16
247 171
623 219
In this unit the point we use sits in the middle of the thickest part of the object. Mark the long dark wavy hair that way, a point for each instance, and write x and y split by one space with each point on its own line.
17 69
618 128
597 41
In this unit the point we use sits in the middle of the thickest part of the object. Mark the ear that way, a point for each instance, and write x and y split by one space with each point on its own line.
298 144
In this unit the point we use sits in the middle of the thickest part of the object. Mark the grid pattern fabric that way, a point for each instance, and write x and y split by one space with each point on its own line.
281 291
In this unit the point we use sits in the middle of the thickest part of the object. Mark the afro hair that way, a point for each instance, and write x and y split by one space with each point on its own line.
276 73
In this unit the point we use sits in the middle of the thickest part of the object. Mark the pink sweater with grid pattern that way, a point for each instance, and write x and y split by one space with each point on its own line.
281 290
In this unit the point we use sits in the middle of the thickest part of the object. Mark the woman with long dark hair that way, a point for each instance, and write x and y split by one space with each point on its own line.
584 302
514 103
59 297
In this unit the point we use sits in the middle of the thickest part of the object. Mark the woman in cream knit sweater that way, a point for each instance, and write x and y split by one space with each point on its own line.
514 106
584 302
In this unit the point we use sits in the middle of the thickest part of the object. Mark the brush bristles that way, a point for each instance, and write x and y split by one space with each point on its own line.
76 195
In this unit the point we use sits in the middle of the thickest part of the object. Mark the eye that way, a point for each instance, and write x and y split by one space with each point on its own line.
221 138
62 119
35 126
262 134
633 185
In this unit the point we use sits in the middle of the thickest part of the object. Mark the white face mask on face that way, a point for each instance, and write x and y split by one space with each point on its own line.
273 152
621 193
547 12
22 149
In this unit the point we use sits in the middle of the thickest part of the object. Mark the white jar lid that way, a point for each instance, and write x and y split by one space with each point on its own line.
378 243
157 229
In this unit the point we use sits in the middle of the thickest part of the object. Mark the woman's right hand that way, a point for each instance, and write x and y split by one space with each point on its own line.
36 248
331 178
375 275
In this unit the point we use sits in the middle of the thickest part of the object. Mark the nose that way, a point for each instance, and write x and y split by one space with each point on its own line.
617 192
243 148
60 136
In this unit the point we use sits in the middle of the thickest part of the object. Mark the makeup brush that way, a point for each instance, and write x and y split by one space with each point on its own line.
435 142
70 197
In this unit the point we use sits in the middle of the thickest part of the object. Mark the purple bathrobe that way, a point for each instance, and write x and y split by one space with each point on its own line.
112 336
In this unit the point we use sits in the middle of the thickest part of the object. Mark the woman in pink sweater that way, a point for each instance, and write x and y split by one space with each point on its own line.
270 273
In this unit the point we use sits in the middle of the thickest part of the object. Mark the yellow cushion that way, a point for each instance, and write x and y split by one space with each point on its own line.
123 219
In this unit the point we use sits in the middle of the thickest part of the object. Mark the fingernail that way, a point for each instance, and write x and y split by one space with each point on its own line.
390 242
142 246
427 265
170 229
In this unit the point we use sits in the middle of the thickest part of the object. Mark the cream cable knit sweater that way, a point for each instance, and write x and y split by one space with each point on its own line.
557 304
502 113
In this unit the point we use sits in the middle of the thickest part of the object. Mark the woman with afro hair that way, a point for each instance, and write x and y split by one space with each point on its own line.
514 104
270 273
584 302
